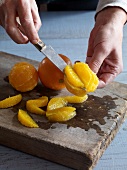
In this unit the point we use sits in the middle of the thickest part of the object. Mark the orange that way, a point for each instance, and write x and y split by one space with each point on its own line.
50 75
23 76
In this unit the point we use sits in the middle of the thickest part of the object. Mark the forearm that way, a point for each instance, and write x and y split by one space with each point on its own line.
119 8
114 15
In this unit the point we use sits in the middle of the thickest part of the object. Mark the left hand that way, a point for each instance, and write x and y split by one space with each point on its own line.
104 55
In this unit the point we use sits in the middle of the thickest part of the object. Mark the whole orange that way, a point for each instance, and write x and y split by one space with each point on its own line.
23 76
50 75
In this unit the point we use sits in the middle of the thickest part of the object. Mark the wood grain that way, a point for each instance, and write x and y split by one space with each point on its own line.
78 143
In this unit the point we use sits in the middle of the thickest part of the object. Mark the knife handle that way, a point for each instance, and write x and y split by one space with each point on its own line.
40 44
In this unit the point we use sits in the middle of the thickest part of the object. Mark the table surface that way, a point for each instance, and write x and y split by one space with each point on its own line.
68 33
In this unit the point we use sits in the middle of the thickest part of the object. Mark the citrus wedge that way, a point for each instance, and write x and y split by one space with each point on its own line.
61 114
94 83
73 77
10 101
33 106
26 120
84 72
75 99
56 102
74 90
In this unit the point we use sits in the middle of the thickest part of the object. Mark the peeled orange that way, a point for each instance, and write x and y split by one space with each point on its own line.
23 76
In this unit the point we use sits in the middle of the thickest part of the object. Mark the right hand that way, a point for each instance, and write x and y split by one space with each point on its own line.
104 55
27 12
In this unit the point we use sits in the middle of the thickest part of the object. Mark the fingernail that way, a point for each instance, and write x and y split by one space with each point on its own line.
34 41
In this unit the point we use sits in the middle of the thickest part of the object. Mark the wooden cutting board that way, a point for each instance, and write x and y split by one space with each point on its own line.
78 143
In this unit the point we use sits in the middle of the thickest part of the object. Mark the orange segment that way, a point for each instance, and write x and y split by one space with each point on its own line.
61 114
74 90
75 99
88 77
23 76
33 106
94 83
26 120
84 72
10 101
72 77
56 102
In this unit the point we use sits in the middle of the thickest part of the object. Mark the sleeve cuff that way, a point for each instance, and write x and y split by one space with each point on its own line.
111 3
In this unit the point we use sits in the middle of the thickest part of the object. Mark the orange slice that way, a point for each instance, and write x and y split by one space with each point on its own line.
75 99
84 72
94 83
26 120
74 90
56 102
33 106
10 101
72 77
61 114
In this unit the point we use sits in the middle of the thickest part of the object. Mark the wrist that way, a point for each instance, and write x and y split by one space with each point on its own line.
112 14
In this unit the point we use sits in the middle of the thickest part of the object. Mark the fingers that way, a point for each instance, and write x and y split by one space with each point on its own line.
27 20
30 21
96 59
90 49
111 67
105 61
36 17
105 79
11 28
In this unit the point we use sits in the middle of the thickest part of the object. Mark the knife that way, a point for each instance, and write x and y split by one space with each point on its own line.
48 51
51 54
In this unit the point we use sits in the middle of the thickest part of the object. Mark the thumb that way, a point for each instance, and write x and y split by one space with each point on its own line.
97 59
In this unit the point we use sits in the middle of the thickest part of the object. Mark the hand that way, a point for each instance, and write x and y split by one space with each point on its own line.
27 12
104 55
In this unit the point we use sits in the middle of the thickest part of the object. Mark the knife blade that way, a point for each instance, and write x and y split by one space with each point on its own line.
49 52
